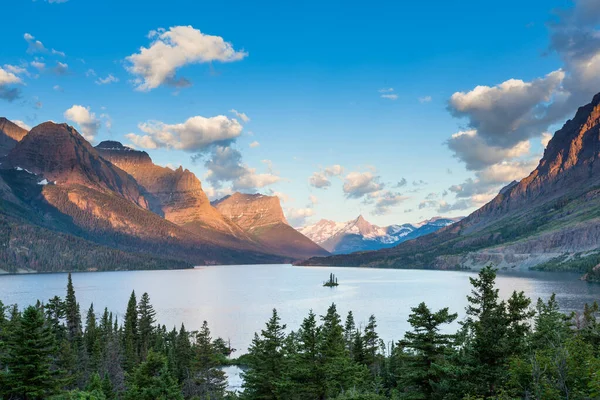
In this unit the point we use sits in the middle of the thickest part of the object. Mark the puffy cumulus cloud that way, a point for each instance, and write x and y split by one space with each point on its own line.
359 184
510 112
109 79
386 200
174 48
321 178
7 81
22 124
254 144
297 216
86 119
546 137
40 66
470 148
240 115
36 46
61 68
475 192
224 164
194 135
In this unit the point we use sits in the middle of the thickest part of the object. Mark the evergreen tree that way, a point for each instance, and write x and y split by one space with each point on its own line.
209 381
371 344
425 364
92 339
130 335
72 313
266 365
31 345
349 331
147 319
152 380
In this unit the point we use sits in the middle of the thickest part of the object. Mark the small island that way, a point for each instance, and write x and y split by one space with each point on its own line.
332 282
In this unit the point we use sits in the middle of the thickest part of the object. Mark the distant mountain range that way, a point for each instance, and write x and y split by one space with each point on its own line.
66 205
550 220
361 235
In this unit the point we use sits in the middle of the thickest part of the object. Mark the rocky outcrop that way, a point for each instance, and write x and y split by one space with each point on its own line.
263 219
176 195
10 135
58 153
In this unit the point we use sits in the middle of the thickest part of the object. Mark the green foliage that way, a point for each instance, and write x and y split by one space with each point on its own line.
505 349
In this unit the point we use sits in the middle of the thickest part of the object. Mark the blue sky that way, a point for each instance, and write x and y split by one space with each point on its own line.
314 81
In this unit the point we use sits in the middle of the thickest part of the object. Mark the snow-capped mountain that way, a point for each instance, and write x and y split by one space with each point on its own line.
361 235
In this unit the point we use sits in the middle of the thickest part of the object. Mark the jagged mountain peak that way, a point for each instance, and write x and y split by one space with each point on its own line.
10 135
59 153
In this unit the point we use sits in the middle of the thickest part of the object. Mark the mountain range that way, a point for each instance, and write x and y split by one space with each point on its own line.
550 220
66 205
361 235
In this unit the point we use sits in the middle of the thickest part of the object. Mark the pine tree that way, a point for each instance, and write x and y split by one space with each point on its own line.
265 362
180 360
147 319
371 341
72 313
349 331
487 329
92 339
31 345
209 381
130 335
424 362
152 380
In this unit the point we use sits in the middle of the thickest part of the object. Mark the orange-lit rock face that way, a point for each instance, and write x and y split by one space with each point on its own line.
252 211
10 135
59 153
176 194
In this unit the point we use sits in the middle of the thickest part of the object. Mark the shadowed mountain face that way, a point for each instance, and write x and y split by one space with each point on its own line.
361 235
10 135
175 194
262 218
56 189
549 220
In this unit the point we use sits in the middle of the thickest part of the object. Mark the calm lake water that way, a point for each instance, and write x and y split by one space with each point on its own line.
237 300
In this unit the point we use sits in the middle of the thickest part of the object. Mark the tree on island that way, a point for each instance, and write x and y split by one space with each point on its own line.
331 282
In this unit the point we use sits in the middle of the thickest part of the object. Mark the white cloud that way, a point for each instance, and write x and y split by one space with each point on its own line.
194 135
105 81
57 88
7 80
471 148
254 144
240 115
90 72
389 96
87 121
61 68
35 46
174 48
425 99
320 179
22 124
386 90
224 164
358 184
297 216
40 66
313 199
546 137
510 112
386 200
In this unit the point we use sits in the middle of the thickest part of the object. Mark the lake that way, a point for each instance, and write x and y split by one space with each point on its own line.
237 300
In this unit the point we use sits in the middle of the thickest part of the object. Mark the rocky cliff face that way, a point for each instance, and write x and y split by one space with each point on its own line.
58 153
549 220
263 219
175 194
10 135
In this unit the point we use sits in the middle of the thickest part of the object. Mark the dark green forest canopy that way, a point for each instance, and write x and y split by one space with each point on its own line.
504 349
